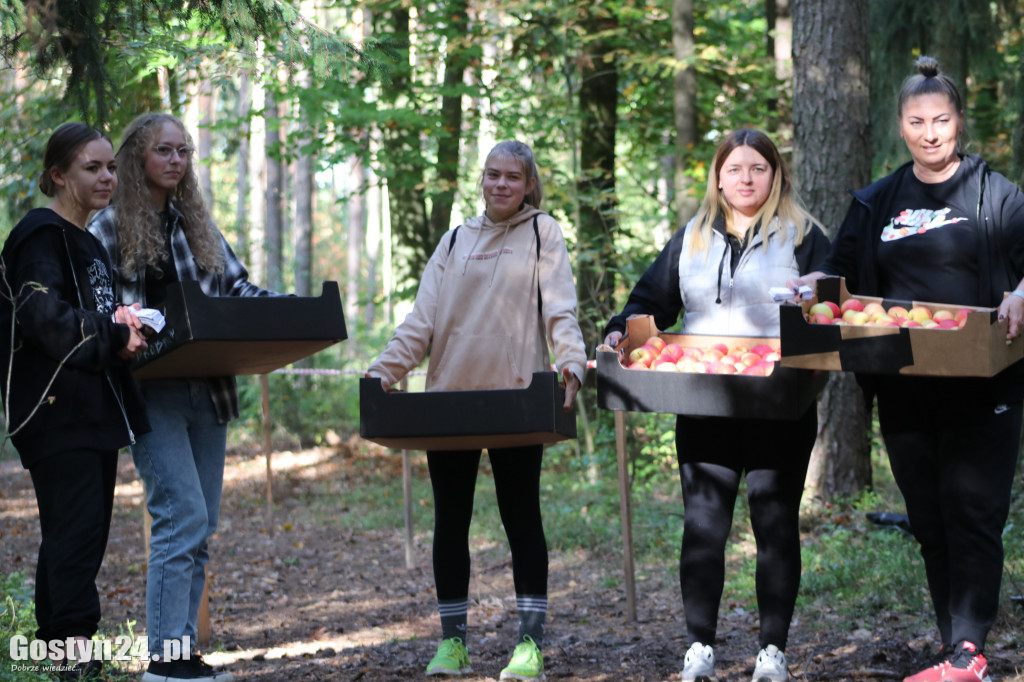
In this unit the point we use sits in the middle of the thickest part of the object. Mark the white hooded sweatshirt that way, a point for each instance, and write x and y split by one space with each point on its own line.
477 309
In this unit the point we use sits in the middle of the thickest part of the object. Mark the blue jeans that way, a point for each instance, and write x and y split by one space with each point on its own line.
181 462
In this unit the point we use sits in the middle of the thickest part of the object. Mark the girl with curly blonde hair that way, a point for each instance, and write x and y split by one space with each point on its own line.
158 232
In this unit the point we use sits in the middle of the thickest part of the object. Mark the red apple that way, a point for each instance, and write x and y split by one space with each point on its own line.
941 315
857 317
698 367
851 304
720 347
643 354
664 365
885 321
750 358
656 342
820 309
637 365
920 313
820 318
948 323
874 309
712 355
910 323
672 350
761 349
898 312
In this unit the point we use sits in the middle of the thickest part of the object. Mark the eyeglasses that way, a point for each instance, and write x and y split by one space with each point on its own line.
165 152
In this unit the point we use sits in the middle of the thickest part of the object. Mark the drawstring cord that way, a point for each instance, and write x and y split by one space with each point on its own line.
501 247
721 268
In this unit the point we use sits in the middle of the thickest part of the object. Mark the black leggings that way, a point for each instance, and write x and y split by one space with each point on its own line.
75 494
953 452
517 487
713 455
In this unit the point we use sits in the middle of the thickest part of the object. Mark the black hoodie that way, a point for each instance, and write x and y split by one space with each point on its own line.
999 257
59 279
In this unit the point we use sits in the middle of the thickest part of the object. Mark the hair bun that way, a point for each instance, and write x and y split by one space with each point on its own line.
46 184
928 67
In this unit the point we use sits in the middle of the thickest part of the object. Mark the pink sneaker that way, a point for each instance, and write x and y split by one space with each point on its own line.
967 665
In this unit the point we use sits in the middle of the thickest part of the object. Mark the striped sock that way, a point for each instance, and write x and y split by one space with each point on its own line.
453 618
532 609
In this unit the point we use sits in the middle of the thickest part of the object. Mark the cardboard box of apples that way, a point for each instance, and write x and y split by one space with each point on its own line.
697 375
837 330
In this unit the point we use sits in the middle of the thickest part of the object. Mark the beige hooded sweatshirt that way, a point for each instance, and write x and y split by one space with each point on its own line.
477 309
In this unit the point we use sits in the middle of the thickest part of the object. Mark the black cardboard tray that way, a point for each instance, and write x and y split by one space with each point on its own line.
465 420
208 336
785 394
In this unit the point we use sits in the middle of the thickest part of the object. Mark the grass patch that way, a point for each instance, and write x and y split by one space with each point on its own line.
18 618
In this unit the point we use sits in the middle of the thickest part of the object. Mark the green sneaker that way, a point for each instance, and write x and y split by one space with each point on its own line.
452 658
527 662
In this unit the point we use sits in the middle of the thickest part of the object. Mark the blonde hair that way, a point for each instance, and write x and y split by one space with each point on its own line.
780 212
517 151
140 237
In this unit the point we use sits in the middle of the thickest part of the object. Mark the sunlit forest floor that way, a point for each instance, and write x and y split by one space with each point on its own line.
328 595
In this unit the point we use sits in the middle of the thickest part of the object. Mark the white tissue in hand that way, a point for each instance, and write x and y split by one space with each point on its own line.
152 318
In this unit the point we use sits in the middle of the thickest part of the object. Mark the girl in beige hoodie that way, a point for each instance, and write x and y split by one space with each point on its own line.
495 293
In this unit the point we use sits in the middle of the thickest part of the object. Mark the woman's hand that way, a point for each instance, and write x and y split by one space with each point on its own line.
136 343
123 315
572 387
1012 310
794 283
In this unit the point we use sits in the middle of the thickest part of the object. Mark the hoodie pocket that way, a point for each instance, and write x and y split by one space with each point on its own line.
474 362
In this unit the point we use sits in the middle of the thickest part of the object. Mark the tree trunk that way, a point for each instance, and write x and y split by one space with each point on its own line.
205 143
451 123
303 226
684 101
779 48
598 98
832 153
403 164
242 182
274 229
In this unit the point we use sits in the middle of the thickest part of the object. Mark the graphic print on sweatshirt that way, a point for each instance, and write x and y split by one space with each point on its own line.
488 255
911 222
102 291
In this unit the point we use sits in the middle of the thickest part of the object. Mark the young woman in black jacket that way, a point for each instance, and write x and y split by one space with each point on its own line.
68 395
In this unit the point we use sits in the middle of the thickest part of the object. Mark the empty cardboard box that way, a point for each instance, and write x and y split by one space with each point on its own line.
208 336
465 420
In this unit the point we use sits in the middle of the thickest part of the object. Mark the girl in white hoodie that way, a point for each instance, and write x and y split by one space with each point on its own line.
495 292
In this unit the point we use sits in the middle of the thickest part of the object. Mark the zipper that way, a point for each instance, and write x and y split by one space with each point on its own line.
120 404
81 304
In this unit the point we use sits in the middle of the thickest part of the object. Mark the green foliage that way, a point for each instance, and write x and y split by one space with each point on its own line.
17 618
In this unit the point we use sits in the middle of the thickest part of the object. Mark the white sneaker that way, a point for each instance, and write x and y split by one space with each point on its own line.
699 664
771 665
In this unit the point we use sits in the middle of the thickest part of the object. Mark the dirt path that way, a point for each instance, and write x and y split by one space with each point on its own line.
328 600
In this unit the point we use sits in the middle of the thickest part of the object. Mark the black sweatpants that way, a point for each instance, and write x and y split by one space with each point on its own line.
75 495
953 451
517 486
714 453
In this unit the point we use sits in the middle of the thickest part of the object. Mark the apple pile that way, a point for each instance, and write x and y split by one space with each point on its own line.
873 313
717 358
